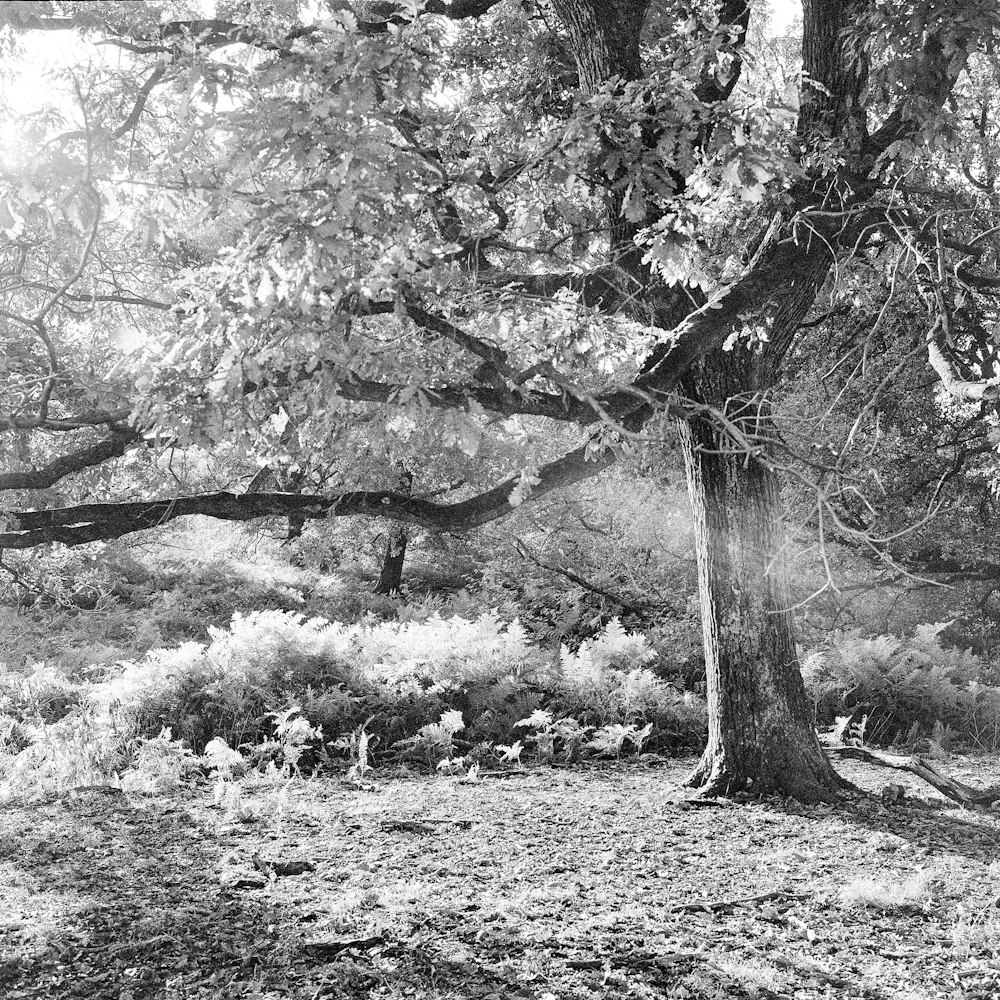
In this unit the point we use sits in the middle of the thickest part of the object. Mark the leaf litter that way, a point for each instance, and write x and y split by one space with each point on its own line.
570 883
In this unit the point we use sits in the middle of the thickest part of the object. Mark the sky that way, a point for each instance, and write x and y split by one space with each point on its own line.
784 11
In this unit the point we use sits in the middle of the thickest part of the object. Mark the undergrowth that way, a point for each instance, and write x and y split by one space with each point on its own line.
119 665
912 692
294 692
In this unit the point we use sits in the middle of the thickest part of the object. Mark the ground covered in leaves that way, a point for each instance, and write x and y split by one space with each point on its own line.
549 884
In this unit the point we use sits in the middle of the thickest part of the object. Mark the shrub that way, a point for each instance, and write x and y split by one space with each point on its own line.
607 683
282 687
338 675
45 694
908 689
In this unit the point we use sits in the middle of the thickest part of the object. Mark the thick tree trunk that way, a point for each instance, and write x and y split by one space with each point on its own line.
761 732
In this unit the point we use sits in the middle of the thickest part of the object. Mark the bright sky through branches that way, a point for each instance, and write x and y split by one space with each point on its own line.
784 12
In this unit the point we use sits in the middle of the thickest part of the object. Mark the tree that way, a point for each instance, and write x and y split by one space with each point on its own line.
390 577
383 209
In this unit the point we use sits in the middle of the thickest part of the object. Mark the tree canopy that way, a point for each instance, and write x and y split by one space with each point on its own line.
263 233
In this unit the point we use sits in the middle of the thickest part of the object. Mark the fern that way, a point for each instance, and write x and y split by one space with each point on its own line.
904 685
612 649
611 739
435 739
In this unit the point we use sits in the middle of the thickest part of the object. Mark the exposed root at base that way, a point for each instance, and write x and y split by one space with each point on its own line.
801 772
805 787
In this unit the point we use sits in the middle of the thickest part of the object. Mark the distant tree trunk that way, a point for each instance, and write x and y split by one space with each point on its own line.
762 735
296 522
390 579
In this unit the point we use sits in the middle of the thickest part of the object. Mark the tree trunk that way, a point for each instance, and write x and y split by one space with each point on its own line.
296 522
761 735
390 579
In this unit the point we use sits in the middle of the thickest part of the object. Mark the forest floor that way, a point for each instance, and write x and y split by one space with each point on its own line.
552 884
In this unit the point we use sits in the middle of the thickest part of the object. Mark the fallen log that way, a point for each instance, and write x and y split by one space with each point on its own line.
951 787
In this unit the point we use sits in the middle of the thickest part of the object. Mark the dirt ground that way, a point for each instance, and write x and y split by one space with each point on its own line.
551 884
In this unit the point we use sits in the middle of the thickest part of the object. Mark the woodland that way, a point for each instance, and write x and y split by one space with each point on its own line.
499 498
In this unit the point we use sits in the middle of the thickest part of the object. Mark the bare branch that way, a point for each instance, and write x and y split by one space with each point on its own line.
92 297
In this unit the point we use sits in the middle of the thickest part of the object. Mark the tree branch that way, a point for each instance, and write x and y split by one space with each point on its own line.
934 73
960 388
104 521
120 441
88 418
502 399
124 300
458 10
140 102
714 86
625 604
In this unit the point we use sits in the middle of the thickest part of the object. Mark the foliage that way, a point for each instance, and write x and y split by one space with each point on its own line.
77 750
905 690
550 734
276 689
434 740
612 738
45 694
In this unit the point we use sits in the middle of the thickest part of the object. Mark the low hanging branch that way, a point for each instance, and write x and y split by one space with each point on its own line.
103 521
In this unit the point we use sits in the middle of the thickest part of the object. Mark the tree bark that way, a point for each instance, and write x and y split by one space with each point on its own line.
390 579
761 735
604 38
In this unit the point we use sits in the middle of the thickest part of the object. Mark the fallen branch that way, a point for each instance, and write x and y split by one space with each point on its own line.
804 967
710 906
950 787
329 950
406 826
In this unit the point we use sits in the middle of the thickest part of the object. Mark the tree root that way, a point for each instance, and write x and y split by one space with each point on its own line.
809 778
953 789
